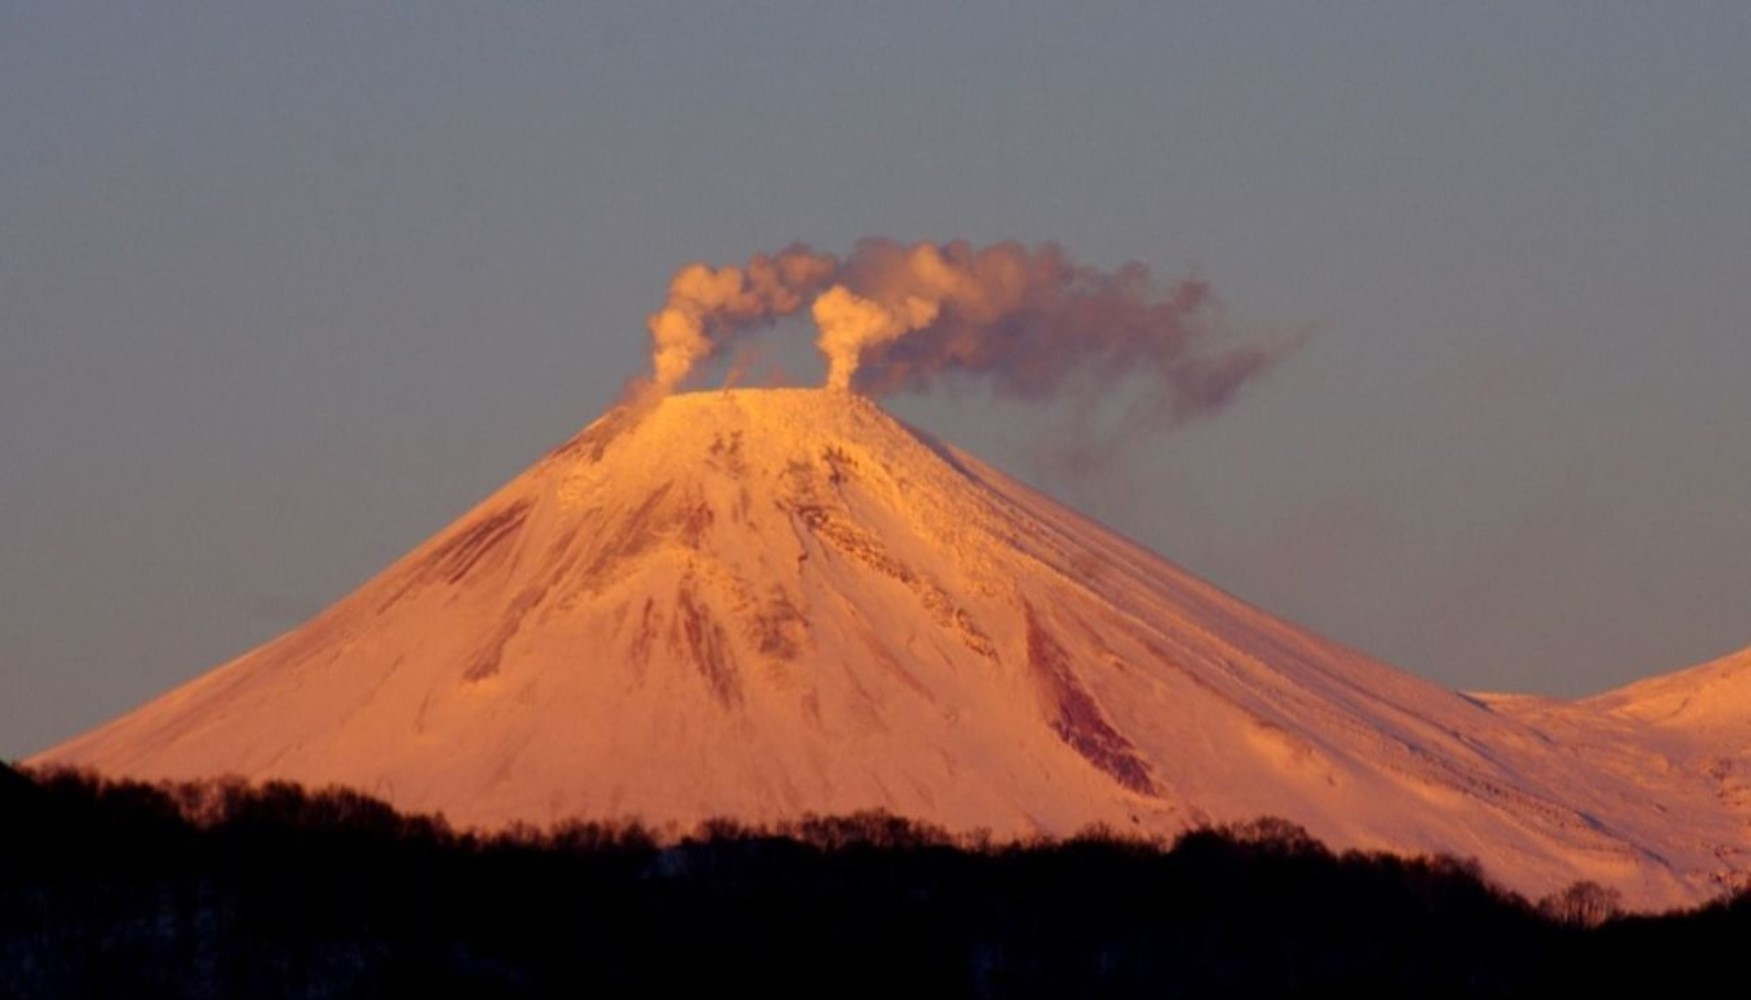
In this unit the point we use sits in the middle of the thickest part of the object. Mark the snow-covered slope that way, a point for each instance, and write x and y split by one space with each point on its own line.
1683 738
761 603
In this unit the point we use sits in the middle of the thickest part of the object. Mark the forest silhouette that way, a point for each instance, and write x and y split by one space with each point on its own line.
118 888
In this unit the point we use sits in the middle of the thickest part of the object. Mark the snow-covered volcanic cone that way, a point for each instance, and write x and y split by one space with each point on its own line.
762 603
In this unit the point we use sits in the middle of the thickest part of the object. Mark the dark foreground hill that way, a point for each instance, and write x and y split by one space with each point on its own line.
220 890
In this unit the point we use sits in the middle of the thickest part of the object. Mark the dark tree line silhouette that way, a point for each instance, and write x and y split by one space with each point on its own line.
220 889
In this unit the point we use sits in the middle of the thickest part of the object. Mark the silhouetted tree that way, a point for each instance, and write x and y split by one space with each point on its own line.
1582 904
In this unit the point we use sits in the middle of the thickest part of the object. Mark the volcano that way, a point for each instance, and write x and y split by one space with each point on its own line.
759 604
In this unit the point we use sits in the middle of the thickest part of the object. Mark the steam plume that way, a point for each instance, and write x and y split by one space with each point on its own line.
851 324
1029 322
709 307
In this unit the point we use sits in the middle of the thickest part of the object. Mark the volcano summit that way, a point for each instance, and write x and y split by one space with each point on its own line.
763 603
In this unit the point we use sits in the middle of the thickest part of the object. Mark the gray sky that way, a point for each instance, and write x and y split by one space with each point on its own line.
282 291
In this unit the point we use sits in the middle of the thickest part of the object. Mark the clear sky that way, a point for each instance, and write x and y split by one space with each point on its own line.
285 288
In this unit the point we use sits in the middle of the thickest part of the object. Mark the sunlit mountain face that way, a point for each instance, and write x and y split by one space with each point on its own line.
760 604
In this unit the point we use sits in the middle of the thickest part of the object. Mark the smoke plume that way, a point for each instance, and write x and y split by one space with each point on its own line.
1029 322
